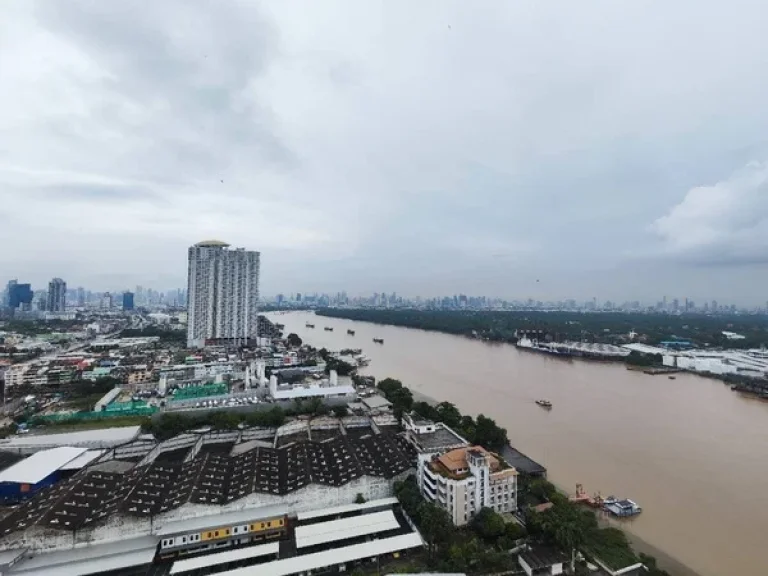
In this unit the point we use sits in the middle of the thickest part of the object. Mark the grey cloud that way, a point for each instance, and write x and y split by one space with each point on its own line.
365 145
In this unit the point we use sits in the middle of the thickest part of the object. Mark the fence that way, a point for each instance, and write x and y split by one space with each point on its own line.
193 392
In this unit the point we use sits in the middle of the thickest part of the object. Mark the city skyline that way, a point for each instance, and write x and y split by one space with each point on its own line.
144 296
458 151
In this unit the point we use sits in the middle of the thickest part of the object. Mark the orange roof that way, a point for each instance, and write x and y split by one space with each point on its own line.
457 459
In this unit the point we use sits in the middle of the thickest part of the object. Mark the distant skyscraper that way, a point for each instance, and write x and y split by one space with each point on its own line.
19 295
8 291
80 297
106 301
222 294
57 295
127 301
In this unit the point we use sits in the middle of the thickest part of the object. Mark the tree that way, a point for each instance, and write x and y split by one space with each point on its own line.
341 367
488 524
340 411
436 526
489 435
512 533
293 340
407 492
388 384
462 556
542 489
313 405
468 429
448 414
425 410
360 499
567 526
400 396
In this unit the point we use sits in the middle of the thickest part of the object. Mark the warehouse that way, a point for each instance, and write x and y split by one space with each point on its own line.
42 469
101 438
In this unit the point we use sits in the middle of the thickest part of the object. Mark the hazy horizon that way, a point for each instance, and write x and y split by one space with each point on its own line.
526 150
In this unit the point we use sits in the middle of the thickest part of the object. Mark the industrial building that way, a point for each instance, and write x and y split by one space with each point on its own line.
312 389
26 477
141 487
279 541
93 439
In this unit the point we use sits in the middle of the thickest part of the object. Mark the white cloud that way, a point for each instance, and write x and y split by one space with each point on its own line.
725 223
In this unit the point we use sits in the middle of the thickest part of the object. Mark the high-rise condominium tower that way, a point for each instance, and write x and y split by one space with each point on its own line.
57 295
222 294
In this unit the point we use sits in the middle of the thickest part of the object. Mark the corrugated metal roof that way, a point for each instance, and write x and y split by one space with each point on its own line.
344 509
335 530
102 437
224 557
91 565
84 557
332 557
40 465
83 460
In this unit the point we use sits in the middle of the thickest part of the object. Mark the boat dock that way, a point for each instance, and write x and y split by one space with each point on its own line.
523 463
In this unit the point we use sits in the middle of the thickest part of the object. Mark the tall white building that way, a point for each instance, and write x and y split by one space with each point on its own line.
57 295
222 294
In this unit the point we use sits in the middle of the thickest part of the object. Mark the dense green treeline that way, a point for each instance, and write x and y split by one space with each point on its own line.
483 430
607 327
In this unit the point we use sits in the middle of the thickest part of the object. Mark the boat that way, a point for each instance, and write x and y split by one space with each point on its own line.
310 325
544 403
671 377
621 508
351 332
379 340
328 329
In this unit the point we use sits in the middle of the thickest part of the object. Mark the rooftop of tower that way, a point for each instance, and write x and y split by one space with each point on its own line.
212 244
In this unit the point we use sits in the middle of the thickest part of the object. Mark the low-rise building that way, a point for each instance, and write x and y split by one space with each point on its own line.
458 477
465 480
542 561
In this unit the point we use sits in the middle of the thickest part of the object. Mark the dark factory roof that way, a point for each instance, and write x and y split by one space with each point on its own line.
8 459
211 478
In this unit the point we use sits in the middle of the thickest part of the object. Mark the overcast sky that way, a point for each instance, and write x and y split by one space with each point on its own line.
609 149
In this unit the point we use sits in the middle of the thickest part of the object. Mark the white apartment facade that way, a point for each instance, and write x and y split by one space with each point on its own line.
465 480
222 294
459 477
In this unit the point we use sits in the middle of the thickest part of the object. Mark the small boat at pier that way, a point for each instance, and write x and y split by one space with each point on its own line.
328 329
621 508
379 340
544 403
351 332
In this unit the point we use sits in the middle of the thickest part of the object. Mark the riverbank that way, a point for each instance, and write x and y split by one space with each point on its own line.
684 449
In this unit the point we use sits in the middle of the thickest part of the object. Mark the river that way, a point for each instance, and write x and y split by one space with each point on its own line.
692 453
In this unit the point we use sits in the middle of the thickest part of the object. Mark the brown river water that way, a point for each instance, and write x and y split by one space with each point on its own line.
692 453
